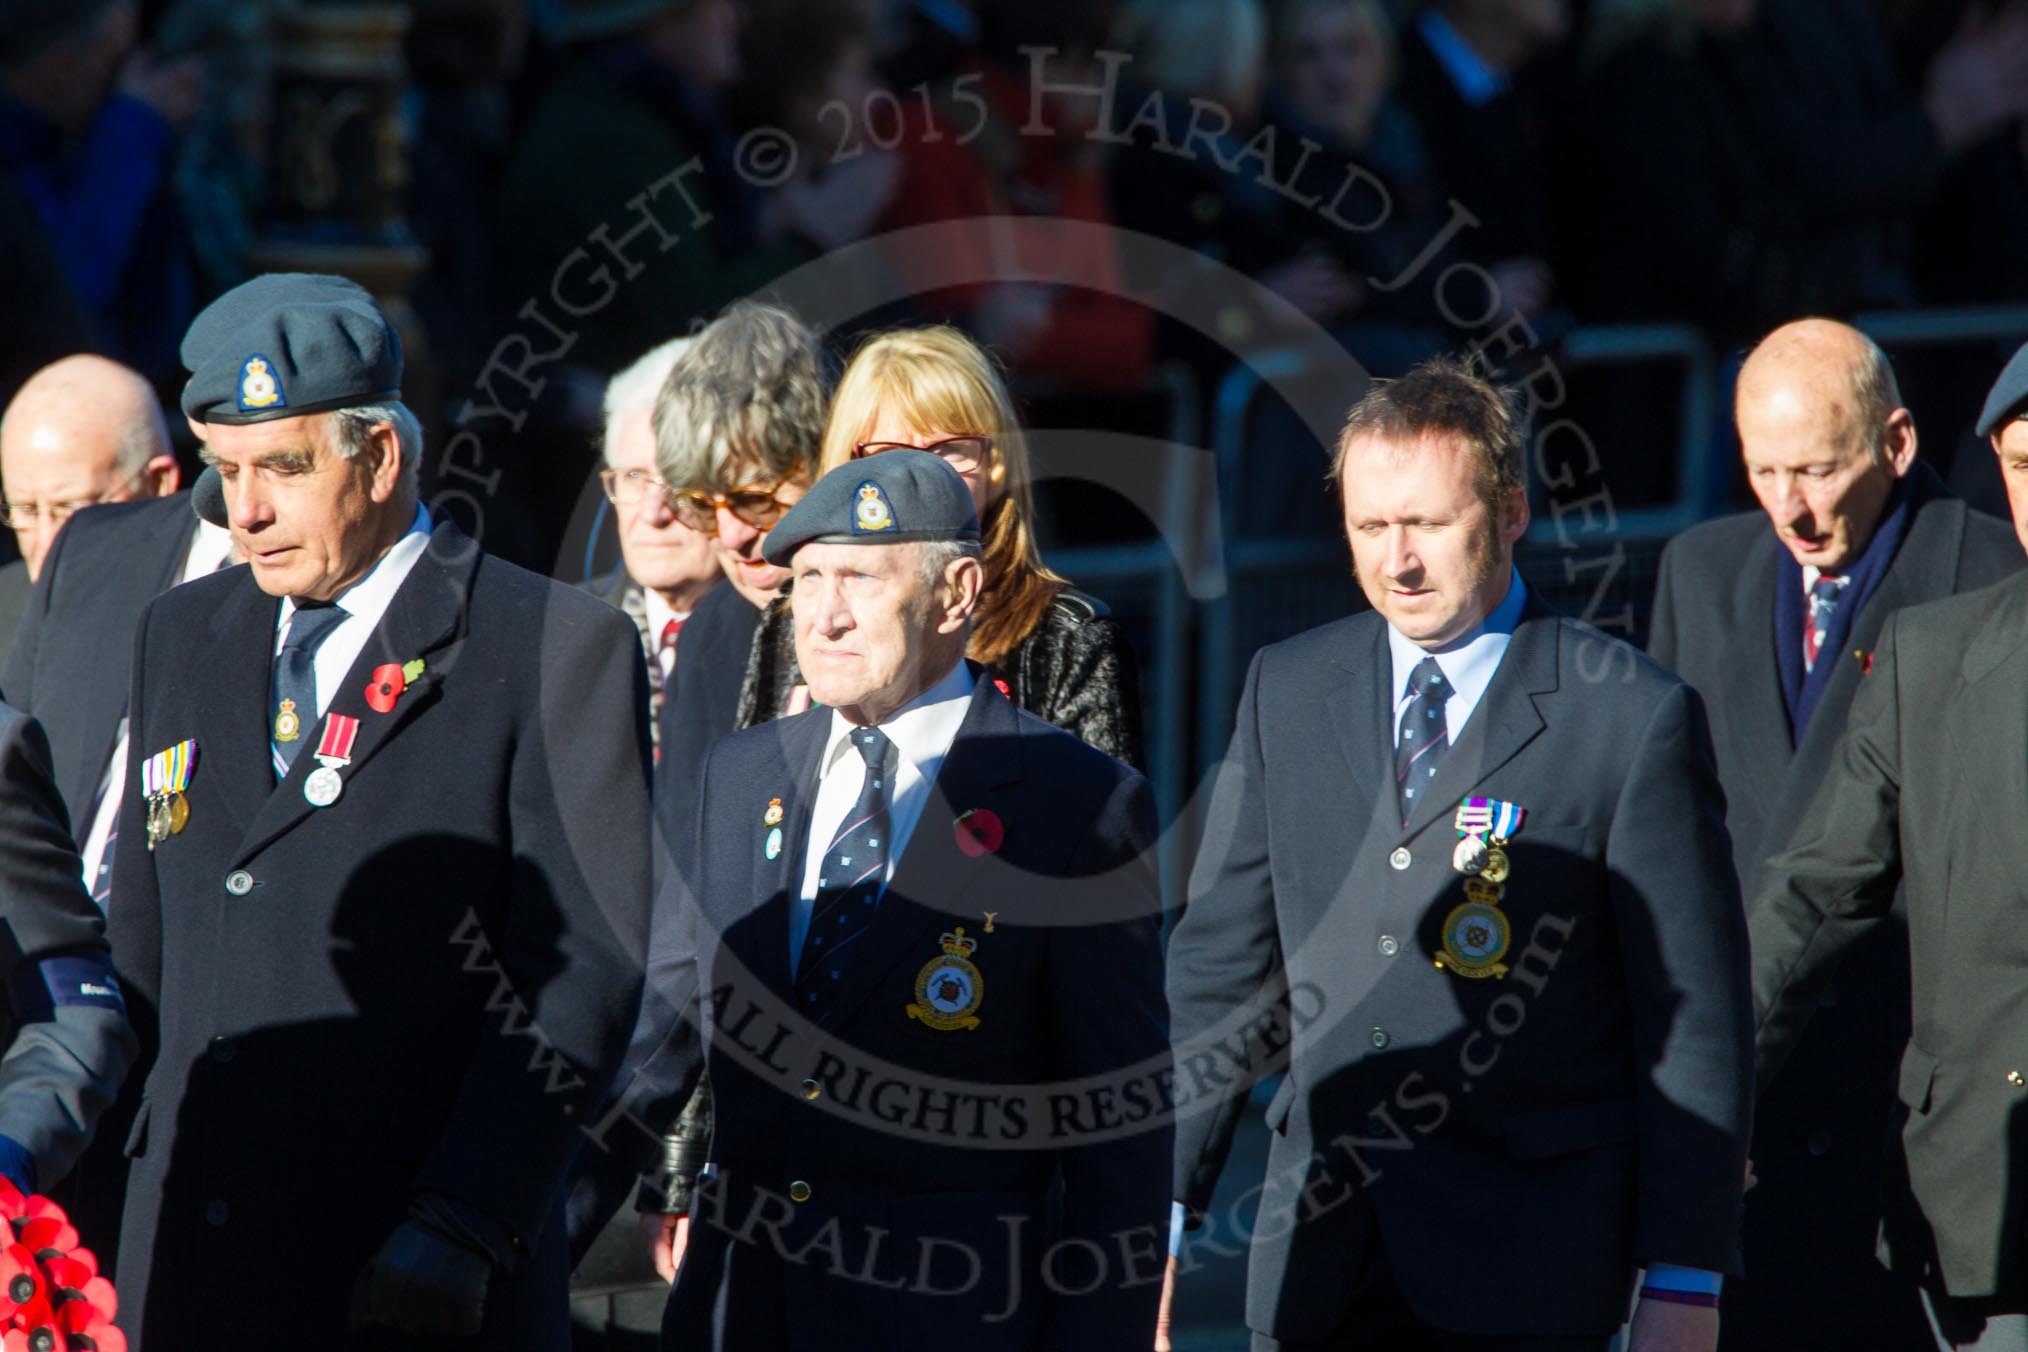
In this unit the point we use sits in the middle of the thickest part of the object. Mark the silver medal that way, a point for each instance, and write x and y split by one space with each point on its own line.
323 787
1470 856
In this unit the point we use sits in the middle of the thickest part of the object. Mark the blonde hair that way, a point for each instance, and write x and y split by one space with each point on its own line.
937 377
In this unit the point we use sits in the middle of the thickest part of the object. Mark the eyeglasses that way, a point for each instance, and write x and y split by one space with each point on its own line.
626 487
963 454
24 515
756 504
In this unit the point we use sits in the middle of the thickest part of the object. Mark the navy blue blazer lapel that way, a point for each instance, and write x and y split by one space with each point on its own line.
1988 720
1506 720
232 736
924 894
1757 711
1363 717
111 664
759 938
423 620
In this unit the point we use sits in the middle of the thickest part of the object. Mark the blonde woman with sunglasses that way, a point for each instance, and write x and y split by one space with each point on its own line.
1052 649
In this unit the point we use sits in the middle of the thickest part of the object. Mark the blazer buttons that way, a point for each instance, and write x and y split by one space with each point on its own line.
1401 858
1389 945
1379 1038
812 1090
2014 1078
216 1213
239 882
799 1191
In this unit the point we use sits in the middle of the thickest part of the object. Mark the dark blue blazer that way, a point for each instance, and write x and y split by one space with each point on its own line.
73 654
884 1150
423 987
1515 1146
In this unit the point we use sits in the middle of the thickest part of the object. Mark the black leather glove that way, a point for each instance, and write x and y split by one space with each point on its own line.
423 1280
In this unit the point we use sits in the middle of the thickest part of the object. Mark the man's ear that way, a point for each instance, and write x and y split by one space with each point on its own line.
964 580
1514 516
383 458
162 475
1898 441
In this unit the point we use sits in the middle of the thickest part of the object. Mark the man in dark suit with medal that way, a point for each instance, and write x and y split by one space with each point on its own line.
1467 859
381 880
1773 616
1922 801
924 928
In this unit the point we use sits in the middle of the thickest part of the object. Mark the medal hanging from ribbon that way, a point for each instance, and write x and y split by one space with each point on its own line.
1476 933
334 751
164 777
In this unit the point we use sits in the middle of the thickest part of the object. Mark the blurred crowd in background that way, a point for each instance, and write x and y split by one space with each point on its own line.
1726 164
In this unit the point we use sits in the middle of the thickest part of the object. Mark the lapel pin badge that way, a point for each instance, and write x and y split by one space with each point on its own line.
1865 661
389 682
949 989
980 832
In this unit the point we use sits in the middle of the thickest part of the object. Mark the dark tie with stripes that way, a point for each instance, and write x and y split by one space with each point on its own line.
848 885
296 678
1423 738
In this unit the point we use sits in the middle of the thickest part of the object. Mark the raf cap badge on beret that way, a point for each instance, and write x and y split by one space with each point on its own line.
871 514
258 387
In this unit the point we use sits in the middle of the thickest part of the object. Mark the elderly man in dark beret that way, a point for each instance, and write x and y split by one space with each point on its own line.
927 925
382 876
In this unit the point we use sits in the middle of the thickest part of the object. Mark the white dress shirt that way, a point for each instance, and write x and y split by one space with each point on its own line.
659 612
1468 663
922 732
210 549
364 602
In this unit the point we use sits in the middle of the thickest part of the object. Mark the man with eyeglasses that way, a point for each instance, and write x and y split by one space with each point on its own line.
738 426
80 432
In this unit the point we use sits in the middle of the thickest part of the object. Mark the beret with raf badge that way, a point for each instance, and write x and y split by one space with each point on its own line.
2008 399
286 344
890 498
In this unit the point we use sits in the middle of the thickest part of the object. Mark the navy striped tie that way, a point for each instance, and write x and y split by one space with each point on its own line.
296 677
848 886
1423 738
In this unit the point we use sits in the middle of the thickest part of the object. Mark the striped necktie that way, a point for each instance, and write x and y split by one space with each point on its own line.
848 886
1423 738
296 680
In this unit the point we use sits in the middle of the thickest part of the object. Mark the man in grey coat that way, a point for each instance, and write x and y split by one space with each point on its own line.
1926 794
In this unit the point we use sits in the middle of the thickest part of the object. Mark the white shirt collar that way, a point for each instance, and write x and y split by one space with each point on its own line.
659 612
210 548
368 598
1477 82
922 730
1468 663
1811 573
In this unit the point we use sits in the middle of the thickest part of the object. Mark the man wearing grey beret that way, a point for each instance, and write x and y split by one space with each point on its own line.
381 882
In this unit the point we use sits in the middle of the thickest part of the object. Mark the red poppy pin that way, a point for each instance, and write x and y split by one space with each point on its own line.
1002 687
388 683
980 832
1865 661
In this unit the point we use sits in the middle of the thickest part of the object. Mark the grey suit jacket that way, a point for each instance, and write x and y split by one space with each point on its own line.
1516 1145
65 1028
1927 791
14 586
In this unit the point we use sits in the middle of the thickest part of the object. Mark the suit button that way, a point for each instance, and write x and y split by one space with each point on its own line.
239 882
812 1090
1820 1145
216 1213
2014 1078
1389 945
1401 858
1378 1037
222 1050
799 1191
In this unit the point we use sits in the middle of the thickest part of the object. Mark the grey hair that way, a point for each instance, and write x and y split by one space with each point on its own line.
748 397
638 386
354 426
938 555
1875 392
